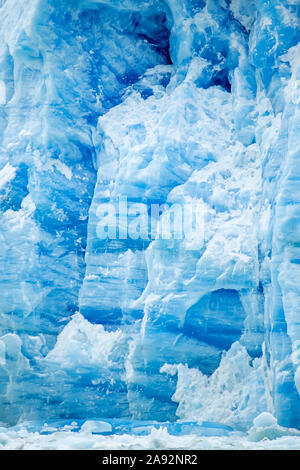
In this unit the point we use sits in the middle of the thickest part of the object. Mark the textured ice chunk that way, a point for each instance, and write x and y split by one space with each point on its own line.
231 395
265 419
244 11
265 427
7 174
96 427
83 345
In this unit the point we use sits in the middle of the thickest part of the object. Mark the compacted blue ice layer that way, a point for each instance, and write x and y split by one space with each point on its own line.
155 101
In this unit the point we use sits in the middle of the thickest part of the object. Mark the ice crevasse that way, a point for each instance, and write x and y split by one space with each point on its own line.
155 101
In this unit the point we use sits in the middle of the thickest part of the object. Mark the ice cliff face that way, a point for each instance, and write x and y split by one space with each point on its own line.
154 102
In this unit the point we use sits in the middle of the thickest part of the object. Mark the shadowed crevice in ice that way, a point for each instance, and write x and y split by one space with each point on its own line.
217 319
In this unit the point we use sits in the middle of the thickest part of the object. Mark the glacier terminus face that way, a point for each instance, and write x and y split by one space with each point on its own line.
150 212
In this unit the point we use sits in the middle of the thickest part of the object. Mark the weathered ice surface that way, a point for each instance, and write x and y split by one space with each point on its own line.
155 102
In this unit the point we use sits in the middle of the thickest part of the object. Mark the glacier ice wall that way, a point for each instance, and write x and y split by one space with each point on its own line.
155 101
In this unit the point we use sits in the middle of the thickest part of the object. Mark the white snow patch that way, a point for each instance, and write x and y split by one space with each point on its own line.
82 344
7 174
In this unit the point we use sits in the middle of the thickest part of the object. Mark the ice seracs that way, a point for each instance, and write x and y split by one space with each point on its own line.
156 102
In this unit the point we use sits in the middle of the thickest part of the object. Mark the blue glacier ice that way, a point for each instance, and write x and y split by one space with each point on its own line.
154 102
